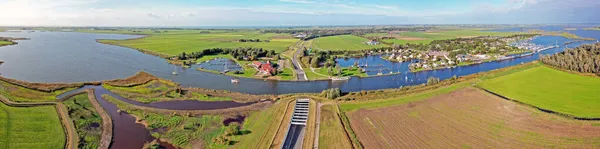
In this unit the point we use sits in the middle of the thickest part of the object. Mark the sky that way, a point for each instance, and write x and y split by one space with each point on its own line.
179 13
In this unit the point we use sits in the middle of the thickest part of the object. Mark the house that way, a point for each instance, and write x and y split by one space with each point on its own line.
264 69
372 42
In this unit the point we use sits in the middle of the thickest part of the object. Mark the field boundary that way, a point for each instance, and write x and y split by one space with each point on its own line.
356 144
281 122
541 109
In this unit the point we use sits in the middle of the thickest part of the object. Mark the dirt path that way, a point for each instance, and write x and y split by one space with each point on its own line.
317 125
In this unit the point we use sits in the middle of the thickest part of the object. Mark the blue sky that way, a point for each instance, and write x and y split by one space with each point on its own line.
293 12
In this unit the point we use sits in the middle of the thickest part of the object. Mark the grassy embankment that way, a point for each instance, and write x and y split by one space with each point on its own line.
2 43
30 127
551 89
87 121
343 42
592 28
558 33
21 94
263 126
345 72
193 41
152 89
427 37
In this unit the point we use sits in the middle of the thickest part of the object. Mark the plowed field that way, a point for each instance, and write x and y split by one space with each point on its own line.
470 118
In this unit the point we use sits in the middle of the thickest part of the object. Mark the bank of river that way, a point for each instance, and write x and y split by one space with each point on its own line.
77 57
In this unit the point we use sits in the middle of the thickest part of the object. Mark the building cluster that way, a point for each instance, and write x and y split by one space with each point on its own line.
265 69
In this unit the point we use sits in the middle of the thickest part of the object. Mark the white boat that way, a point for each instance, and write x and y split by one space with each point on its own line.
235 81
174 71
339 78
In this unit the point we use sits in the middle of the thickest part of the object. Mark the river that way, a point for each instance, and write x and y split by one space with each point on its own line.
77 57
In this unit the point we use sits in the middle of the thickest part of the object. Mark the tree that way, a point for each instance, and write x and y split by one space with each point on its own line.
314 62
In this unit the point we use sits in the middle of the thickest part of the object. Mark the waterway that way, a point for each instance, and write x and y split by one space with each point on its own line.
77 57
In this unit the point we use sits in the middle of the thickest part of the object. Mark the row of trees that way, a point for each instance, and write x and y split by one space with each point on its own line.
253 40
584 59
238 53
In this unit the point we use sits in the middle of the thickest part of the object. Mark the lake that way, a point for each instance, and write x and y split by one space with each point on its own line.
77 57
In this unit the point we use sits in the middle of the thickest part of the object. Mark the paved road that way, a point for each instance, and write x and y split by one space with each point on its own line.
299 70
295 133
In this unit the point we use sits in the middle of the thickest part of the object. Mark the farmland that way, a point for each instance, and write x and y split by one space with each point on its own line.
331 133
426 37
194 41
343 42
30 127
552 90
469 118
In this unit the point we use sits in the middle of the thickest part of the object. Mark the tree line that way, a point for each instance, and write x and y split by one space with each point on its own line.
253 40
238 53
584 59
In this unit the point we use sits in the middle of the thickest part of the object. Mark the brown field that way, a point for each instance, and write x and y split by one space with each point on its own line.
137 79
470 118
408 38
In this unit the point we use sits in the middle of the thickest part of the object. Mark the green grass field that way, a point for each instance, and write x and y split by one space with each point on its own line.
427 37
343 42
30 128
263 126
551 89
173 44
20 94
86 120
331 131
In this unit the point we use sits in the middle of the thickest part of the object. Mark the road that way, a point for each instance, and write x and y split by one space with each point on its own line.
295 133
296 130
299 70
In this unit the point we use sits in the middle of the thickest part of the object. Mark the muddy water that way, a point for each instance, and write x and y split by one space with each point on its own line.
126 133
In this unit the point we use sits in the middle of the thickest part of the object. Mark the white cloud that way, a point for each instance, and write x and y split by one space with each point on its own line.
299 1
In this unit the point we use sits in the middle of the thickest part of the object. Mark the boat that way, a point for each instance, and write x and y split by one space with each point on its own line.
528 54
235 81
339 78
174 71
1 61
506 58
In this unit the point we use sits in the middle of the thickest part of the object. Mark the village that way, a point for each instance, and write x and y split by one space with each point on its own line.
462 52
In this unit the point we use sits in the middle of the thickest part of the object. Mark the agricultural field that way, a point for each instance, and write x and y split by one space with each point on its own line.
86 120
550 89
469 118
427 37
343 42
30 128
331 132
188 41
